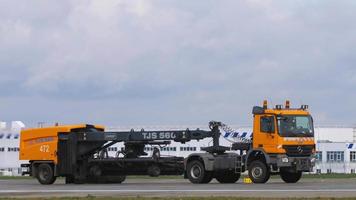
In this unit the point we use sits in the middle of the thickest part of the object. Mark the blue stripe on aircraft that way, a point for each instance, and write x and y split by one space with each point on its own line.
350 146
244 134
226 134
235 134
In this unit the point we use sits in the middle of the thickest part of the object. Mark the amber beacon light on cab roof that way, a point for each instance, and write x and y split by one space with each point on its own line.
282 144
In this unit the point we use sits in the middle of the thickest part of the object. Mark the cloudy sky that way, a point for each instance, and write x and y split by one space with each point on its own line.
167 62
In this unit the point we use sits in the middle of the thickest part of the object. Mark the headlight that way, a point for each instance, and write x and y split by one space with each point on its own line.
285 160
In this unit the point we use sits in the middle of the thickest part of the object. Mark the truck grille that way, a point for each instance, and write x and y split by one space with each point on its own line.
298 150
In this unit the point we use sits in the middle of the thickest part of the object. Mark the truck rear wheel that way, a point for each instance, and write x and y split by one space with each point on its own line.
290 177
197 174
45 174
227 177
258 172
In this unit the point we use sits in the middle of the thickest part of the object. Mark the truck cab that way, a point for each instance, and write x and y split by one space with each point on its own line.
282 143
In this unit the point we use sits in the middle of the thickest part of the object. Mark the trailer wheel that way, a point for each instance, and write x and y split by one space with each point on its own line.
258 172
154 171
45 174
227 177
197 174
290 177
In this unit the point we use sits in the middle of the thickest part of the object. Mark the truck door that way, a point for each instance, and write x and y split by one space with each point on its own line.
264 133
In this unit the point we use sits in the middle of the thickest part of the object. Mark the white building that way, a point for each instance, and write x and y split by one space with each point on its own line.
9 148
336 147
336 150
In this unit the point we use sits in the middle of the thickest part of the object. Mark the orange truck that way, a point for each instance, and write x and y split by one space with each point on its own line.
282 144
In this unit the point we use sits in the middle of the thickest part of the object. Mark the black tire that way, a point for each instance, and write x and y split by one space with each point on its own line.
290 177
258 172
197 174
227 177
154 171
45 174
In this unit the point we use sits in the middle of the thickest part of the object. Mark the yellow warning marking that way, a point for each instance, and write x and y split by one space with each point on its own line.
247 180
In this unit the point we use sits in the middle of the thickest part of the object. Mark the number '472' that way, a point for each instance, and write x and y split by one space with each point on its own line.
44 148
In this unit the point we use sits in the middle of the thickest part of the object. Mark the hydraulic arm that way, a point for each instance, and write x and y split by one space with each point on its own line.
93 140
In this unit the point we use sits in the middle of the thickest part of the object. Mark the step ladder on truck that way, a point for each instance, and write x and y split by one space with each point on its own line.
282 143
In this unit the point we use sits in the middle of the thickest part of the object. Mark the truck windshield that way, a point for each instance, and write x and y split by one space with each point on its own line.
295 126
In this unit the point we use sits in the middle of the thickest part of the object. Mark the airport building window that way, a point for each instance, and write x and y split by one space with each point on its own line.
13 149
168 148
112 148
319 156
148 149
188 148
328 171
1 135
161 148
352 156
335 156
2 149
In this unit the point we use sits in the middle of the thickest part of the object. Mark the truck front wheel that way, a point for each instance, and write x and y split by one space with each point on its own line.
45 174
290 177
197 174
258 172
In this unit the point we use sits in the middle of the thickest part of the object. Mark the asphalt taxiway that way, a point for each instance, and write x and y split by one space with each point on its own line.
181 187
